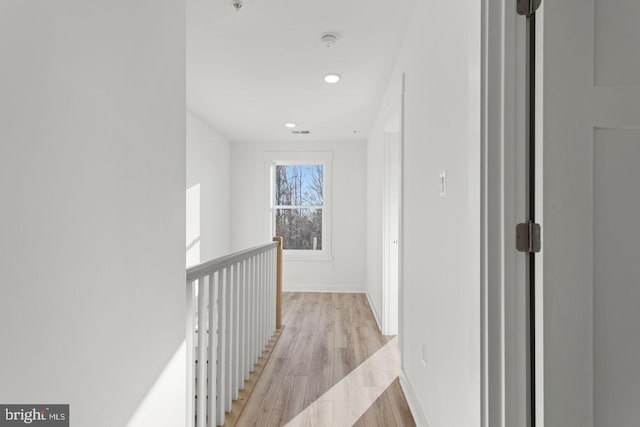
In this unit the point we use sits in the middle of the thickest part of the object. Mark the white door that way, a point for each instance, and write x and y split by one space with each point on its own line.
590 273
392 230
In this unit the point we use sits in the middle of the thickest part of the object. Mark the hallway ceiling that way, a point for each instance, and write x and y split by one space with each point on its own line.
252 71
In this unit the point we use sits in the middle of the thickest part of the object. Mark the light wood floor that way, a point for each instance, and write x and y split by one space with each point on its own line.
325 337
389 410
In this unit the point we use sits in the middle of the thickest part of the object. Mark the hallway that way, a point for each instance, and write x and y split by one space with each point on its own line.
325 337
125 152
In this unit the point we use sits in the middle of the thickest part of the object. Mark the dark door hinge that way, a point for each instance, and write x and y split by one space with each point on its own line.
528 237
527 7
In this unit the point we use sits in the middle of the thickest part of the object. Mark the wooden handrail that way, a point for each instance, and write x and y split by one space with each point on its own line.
279 283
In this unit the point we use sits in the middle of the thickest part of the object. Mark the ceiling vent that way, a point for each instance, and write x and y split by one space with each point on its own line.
300 132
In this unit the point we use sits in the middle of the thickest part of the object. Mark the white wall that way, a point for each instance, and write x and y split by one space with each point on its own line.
92 179
249 211
208 194
440 299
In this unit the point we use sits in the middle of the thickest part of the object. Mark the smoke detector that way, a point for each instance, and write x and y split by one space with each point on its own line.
328 39
237 4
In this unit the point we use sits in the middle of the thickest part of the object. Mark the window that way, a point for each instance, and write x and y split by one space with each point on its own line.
300 203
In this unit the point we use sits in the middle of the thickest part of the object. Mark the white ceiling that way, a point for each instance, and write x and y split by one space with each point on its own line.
251 71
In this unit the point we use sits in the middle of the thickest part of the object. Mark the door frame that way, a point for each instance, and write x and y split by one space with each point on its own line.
504 270
539 213
389 325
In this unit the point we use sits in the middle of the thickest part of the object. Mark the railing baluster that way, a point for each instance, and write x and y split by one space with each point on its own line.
231 312
250 314
274 281
222 320
247 285
261 301
272 300
247 341
190 344
267 309
267 288
278 252
237 330
229 340
273 289
268 326
254 329
201 407
212 351
243 325
265 322
274 277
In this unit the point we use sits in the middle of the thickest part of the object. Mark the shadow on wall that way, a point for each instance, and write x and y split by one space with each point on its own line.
193 225
164 405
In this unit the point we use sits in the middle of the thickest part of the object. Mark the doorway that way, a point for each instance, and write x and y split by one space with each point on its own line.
391 223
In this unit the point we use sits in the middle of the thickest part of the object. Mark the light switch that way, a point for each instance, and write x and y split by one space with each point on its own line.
443 184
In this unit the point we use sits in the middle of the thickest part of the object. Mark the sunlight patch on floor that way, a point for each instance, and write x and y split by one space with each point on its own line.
344 403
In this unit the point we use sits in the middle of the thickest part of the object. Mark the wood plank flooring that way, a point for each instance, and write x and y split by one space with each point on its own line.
389 410
238 405
325 336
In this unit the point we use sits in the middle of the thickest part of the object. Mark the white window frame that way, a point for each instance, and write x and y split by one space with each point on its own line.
273 159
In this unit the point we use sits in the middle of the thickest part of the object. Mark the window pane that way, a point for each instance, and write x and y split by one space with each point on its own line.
301 229
298 185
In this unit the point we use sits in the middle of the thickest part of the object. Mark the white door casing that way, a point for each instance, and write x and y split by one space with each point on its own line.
504 205
391 218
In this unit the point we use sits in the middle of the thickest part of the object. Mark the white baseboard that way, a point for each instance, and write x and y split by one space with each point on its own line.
412 400
345 289
373 310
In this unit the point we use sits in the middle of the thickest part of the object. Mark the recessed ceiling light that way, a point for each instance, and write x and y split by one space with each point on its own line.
290 125
332 78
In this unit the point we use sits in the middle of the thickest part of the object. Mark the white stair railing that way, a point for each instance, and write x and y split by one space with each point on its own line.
233 309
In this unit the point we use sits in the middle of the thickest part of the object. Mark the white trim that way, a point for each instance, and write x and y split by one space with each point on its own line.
484 332
391 303
412 401
373 310
386 237
325 158
299 157
539 271
401 226
502 198
307 256
316 256
326 288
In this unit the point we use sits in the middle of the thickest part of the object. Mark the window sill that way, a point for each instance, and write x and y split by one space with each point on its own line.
307 257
